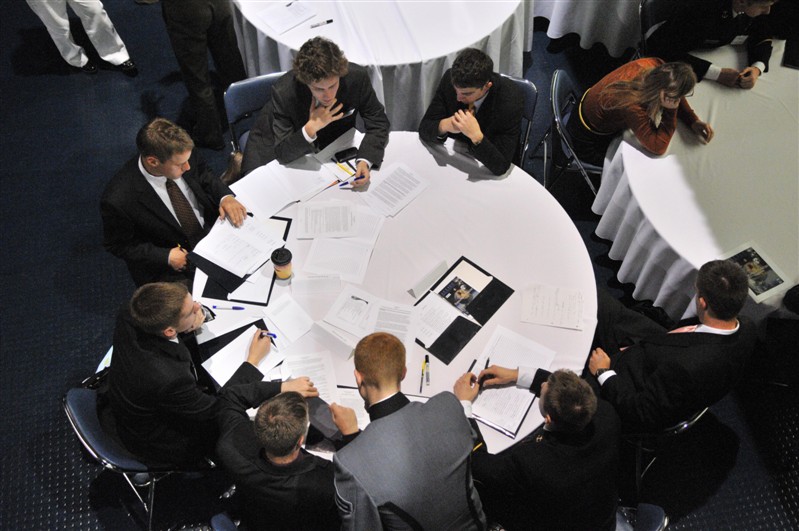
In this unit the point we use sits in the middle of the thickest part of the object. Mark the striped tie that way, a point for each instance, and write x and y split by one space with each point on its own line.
186 217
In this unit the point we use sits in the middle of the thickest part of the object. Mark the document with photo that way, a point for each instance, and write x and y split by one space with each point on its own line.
765 280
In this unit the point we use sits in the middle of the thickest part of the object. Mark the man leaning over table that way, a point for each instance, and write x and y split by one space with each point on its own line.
478 106
563 475
312 105
409 469
162 203
655 378
151 398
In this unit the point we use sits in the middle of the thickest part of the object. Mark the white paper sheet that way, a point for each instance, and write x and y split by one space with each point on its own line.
222 365
394 189
347 258
329 219
291 320
504 408
318 366
434 316
240 250
354 311
284 16
552 306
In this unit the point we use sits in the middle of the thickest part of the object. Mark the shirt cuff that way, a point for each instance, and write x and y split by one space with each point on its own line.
713 73
604 376
759 65
223 198
526 377
368 164
467 408
305 134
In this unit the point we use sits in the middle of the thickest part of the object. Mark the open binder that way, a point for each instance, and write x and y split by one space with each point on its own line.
474 294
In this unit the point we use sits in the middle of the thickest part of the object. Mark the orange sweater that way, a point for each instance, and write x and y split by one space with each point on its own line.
612 121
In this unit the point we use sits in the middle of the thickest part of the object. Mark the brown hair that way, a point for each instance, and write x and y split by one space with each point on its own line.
319 58
161 139
155 307
380 358
569 401
280 422
724 286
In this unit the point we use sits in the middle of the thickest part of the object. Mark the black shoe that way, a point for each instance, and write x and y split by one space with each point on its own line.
89 68
129 68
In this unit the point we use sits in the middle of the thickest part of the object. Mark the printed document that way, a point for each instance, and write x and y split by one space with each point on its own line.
552 306
283 16
329 219
240 250
393 189
222 365
317 366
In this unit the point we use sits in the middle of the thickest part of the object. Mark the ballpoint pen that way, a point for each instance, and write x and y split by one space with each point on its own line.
322 23
271 335
347 181
427 370
227 307
421 382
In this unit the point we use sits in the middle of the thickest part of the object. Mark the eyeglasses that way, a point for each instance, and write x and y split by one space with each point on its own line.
675 98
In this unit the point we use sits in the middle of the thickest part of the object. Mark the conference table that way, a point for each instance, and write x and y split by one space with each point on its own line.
669 215
613 23
508 225
406 45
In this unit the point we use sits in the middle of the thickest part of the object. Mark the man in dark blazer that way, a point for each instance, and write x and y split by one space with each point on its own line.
654 378
314 104
141 222
480 107
151 398
695 24
281 485
409 469
563 475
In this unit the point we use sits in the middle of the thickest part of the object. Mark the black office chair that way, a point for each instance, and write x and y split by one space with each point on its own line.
80 405
647 444
644 517
530 100
564 108
243 101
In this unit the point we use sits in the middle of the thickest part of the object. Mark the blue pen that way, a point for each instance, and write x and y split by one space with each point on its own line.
345 183
228 307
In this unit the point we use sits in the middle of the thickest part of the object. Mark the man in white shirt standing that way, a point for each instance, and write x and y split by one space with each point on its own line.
162 203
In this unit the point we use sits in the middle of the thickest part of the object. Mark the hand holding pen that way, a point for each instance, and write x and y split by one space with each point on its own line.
361 175
259 347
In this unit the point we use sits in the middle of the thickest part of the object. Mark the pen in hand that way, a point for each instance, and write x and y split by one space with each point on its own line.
265 333
347 181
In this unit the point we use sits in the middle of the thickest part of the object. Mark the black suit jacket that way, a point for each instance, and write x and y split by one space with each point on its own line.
152 401
298 496
499 116
139 228
696 23
277 133
552 480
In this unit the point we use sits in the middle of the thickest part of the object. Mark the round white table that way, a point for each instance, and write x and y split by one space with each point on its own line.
510 226
669 215
613 23
406 45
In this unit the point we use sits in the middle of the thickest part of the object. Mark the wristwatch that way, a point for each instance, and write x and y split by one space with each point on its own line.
599 372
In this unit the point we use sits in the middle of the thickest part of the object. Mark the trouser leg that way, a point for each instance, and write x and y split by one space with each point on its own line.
100 30
223 45
53 14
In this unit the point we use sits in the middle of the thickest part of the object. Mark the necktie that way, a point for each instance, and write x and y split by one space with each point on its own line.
188 221
470 108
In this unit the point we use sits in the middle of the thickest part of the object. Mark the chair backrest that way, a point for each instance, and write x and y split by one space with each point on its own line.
685 425
243 100
80 406
564 103
530 100
651 14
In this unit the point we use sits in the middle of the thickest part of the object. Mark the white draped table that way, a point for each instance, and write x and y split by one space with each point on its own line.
510 226
407 45
669 215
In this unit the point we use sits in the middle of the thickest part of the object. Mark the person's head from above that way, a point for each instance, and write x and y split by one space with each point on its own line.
379 364
165 309
721 290
471 75
164 148
567 402
281 425
320 64
753 8
665 85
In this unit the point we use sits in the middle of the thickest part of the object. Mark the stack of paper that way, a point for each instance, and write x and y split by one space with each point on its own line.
240 250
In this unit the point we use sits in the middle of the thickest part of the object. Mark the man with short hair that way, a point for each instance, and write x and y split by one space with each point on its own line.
654 378
478 106
312 105
161 203
563 475
282 485
151 398
409 469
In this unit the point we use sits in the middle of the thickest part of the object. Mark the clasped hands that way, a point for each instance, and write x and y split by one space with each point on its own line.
744 79
462 122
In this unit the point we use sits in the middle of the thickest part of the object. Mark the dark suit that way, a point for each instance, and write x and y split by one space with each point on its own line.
409 469
152 401
277 133
499 116
553 480
665 378
297 496
695 24
140 229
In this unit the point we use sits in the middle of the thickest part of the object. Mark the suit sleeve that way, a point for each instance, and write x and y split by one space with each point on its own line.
501 138
211 184
683 31
260 147
373 145
290 143
436 111
355 506
653 139
758 44
662 398
120 238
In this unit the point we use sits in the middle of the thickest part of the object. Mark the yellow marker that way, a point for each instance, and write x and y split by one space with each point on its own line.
345 169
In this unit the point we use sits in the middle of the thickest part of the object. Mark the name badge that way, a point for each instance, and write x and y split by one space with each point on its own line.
739 40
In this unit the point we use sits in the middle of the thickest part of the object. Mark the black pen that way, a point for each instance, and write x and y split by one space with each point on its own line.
318 24
472 366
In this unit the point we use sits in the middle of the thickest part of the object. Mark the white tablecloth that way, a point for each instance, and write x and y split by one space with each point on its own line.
669 215
613 23
407 45
510 226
